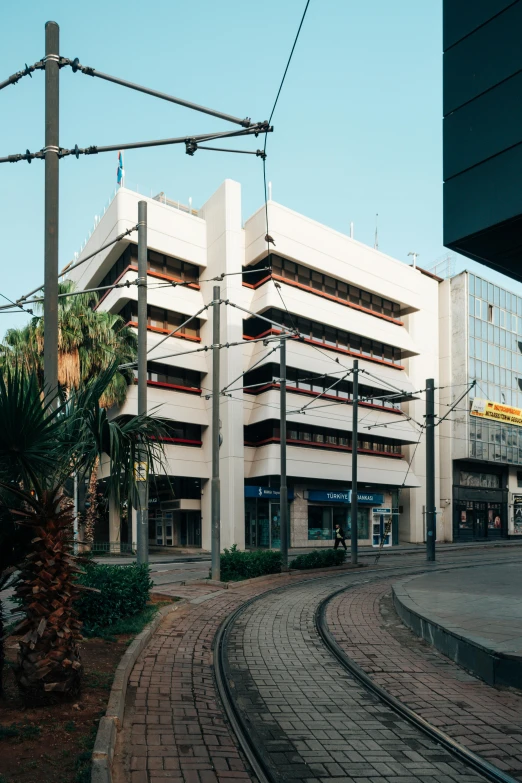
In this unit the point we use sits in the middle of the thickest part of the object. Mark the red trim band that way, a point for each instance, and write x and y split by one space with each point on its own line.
324 295
315 445
331 348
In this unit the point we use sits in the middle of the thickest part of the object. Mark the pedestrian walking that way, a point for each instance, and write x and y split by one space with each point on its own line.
339 537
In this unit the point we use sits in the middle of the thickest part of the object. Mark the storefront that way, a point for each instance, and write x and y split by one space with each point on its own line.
175 512
326 509
313 514
263 517
480 504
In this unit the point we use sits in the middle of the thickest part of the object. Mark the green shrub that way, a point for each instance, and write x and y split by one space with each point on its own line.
237 565
319 558
124 592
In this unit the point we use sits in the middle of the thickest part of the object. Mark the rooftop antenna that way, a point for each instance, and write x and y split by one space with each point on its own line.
190 205
376 240
415 256
351 229
270 191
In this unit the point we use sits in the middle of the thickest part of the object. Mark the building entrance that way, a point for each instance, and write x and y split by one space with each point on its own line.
478 519
263 523
176 528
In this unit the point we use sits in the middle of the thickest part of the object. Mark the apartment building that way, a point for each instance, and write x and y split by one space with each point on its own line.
345 299
481 442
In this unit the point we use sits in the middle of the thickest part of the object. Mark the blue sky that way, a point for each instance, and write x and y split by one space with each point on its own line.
357 128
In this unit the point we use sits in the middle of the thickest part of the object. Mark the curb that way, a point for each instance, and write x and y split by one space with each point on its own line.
111 723
494 667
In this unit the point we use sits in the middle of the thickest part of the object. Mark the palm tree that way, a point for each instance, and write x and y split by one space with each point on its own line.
40 448
89 341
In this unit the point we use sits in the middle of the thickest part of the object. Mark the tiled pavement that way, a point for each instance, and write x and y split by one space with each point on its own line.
176 730
313 719
485 719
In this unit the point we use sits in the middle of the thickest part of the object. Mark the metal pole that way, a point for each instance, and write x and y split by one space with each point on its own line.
283 496
215 485
354 498
142 472
431 515
52 120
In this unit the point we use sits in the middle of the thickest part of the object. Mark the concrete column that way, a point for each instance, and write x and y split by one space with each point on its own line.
134 522
225 253
114 523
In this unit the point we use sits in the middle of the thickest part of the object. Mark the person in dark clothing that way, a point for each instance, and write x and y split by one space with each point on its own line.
339 537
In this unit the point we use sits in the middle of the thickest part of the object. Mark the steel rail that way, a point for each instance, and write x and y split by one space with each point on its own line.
255 755
463 754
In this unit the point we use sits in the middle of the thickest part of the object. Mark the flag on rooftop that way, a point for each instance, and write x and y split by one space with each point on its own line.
120 172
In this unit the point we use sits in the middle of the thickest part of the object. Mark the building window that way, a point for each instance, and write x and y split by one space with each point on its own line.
158 318
181 433
475 479
267 376
335 339
519 478
156 262
267 432
172 376
320 283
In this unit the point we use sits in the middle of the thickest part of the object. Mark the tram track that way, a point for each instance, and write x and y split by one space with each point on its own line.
256 755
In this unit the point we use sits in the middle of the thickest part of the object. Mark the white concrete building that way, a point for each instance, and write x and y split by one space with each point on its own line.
481 459
346 299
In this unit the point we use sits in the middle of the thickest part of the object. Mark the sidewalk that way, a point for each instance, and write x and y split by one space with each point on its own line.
364 552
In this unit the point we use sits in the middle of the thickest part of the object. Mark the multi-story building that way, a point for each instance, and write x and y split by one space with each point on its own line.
345 299
481 452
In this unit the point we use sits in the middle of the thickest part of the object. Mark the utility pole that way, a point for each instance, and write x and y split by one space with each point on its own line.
215 485
354 504
431 513
142 469
52 144
283 495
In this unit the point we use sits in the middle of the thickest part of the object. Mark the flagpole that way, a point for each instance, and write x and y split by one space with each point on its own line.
123 168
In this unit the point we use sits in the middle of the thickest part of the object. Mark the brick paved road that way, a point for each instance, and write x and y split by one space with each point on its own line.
175 729
487 720
313 719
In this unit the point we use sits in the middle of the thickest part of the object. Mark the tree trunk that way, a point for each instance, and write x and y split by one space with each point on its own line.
49 659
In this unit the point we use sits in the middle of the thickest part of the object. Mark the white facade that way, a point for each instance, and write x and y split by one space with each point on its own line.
404 352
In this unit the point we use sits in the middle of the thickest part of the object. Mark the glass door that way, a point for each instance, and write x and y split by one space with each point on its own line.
479 528
263 524
275 528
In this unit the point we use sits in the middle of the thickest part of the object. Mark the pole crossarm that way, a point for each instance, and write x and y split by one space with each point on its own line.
265 356
188 140
72 265
332 386
27 71
89 71
471 386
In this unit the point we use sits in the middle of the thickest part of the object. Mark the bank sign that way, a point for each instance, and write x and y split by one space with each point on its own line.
324 496
269 493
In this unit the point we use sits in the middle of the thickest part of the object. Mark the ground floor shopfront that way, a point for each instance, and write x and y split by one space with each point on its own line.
314 511
480 502
175 512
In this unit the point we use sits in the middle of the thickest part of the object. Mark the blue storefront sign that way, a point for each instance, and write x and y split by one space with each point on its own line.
270 493
325 496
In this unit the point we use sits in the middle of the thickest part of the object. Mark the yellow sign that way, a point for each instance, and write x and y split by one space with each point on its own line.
140 471
495 411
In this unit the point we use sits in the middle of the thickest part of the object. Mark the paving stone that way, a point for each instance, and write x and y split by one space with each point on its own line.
313 721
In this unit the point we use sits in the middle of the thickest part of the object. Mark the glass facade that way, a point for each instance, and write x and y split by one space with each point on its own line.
495 362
